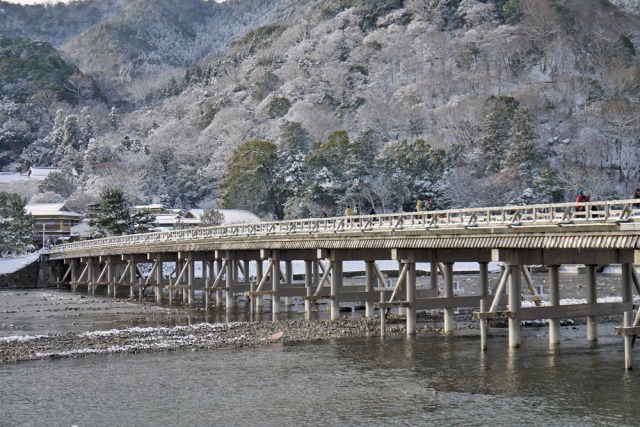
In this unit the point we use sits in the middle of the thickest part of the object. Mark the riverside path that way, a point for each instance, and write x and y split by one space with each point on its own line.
549 235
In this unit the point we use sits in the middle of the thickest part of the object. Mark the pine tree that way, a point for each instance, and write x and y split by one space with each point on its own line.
249 180
522 152
88 130
16 227
144 221
211 218
110 216
497 124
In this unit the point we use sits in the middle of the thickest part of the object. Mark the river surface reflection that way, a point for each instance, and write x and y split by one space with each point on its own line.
426 380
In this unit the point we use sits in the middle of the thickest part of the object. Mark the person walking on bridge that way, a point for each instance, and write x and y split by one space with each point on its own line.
636 195
582 198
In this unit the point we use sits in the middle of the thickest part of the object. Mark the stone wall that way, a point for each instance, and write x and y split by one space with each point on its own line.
24 278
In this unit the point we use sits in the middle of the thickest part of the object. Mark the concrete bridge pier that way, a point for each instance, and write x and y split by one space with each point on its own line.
219 263
627 300
484 292
433 282
259 275
191 276
554 301
515 304
410 311
159 278
229 280
74 274
336 287
275 285
370 283
592 299
288 281
91 275
449 322
308 284
209 277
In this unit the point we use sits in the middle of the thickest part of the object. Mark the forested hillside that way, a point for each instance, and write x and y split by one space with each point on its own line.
331 103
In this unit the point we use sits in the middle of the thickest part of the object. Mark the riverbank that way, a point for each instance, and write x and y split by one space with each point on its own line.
49 324
202 336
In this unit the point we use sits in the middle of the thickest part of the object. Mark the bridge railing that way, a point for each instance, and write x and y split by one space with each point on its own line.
505 216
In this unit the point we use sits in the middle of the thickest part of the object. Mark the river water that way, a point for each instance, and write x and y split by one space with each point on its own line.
426 380
429 379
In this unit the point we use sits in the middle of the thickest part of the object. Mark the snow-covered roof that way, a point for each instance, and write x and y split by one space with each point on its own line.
50 209
7 177
231 216
41 173
156 206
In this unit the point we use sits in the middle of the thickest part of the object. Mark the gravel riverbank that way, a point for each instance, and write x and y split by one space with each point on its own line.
44 324
202 336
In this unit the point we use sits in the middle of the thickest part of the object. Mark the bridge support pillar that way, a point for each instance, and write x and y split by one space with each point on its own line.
370 280
275 286
411 299
484 292
627 298
159 279
218 291
515 302
190 278
90 275
229 281
592 299
74 275
259 275
554 301
308 283
111 289
288 280
433 282
449 322
336 286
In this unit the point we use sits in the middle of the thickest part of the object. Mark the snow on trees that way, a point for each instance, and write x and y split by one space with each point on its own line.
16 228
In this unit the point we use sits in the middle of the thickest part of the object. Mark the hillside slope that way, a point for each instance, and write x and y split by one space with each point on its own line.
377 102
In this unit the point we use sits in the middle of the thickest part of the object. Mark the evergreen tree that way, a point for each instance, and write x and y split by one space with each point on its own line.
249 180
88 130
144 221
110 216
57 132
293 137
328 166
72 135
358 166
58 183
211 218
522 153
415 169
497 125
16 227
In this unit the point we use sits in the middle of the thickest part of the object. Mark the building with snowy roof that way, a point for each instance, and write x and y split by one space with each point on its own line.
52 221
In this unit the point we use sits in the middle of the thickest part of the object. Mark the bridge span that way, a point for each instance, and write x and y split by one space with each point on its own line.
549 235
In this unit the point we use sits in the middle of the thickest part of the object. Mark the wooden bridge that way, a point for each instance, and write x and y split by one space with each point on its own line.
548 235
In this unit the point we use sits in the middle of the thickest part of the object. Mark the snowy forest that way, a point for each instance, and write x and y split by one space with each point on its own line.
287 107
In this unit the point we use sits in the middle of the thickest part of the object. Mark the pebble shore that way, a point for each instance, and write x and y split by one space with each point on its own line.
201 336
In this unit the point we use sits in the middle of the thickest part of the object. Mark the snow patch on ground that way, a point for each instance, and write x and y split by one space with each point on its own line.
11 265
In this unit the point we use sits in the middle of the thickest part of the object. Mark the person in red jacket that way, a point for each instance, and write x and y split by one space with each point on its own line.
582 198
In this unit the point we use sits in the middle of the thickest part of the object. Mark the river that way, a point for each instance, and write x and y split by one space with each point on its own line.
426 380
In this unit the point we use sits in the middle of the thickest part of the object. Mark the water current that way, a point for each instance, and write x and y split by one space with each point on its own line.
429 379
398 381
